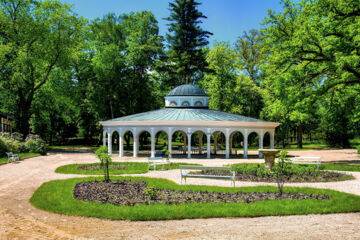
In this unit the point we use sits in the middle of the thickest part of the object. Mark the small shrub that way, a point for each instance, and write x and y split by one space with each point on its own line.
282 170
105 160
12 146
35 144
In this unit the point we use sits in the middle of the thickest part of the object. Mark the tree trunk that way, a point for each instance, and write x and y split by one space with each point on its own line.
23 114
300 133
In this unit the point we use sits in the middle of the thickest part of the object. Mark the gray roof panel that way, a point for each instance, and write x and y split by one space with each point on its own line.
186 114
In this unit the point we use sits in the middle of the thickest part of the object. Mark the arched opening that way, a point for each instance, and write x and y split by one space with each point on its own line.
198 147
236 144
266 140
179 144
185 104
128 139
144 143
198 104
173 104
161 143
115 141
253 145
218 144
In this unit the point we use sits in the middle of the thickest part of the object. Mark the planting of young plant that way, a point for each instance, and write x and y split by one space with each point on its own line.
128 193
136 198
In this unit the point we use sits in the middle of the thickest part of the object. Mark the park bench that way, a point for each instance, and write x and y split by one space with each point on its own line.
187 171
12 157
157 161
298 160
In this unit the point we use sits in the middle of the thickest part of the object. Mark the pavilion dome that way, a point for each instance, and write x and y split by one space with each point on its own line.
187 96
187 90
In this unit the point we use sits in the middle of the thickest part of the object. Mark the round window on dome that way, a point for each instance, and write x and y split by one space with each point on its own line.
173 104
198 104
185 104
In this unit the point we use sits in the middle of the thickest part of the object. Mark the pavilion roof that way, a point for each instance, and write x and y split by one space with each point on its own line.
186 114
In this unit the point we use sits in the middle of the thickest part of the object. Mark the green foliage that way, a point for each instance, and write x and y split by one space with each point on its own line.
57 196
2 147
186 58
249 51
35 144
282 170
228 90
39 39
105 160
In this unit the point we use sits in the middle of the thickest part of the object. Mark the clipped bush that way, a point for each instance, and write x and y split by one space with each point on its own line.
35 144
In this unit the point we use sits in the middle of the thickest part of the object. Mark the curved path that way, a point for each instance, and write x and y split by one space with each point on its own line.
20 220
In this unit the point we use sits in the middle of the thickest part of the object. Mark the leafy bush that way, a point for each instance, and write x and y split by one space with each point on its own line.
12 146
35 144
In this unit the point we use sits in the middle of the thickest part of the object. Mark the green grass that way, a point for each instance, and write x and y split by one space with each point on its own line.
57 196
70 147
341 167
22 156
132 168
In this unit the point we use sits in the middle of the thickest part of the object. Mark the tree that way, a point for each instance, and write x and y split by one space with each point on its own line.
37 39
230 90
249 49
319 37
186 59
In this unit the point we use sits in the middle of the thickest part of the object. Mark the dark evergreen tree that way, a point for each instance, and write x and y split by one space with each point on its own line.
186 40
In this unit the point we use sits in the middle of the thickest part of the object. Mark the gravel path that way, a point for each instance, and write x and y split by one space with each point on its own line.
20 220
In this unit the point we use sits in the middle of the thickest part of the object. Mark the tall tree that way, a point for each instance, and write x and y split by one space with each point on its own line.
249 49
36 39
230 90
186 58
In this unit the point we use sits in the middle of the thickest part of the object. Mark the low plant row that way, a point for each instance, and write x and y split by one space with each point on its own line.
17 144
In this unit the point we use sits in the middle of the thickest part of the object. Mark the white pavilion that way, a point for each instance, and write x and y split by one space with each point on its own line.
187 111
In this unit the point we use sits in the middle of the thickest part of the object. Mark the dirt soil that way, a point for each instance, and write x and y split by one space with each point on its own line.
20 220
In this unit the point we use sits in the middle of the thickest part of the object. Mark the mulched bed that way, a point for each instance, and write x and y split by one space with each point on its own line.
99 167
325 176
127 193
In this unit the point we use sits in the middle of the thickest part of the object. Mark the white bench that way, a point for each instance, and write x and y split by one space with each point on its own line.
297 160
185 169
12 157
157 161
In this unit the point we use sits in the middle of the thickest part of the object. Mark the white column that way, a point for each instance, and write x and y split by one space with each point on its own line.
121 145
109 143
246 145
104 138
169 144
200 142
227 140
184 136
189 145
215 141
272 140
208 145
261 136
152 145
135 143
231 143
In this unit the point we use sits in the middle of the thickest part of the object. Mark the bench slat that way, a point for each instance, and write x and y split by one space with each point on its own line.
193 167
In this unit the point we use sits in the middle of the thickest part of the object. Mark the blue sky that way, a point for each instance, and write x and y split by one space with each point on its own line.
227 19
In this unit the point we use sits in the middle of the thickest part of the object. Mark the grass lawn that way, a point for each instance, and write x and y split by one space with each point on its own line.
22 156
132 167
70 147
57 196
341 167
